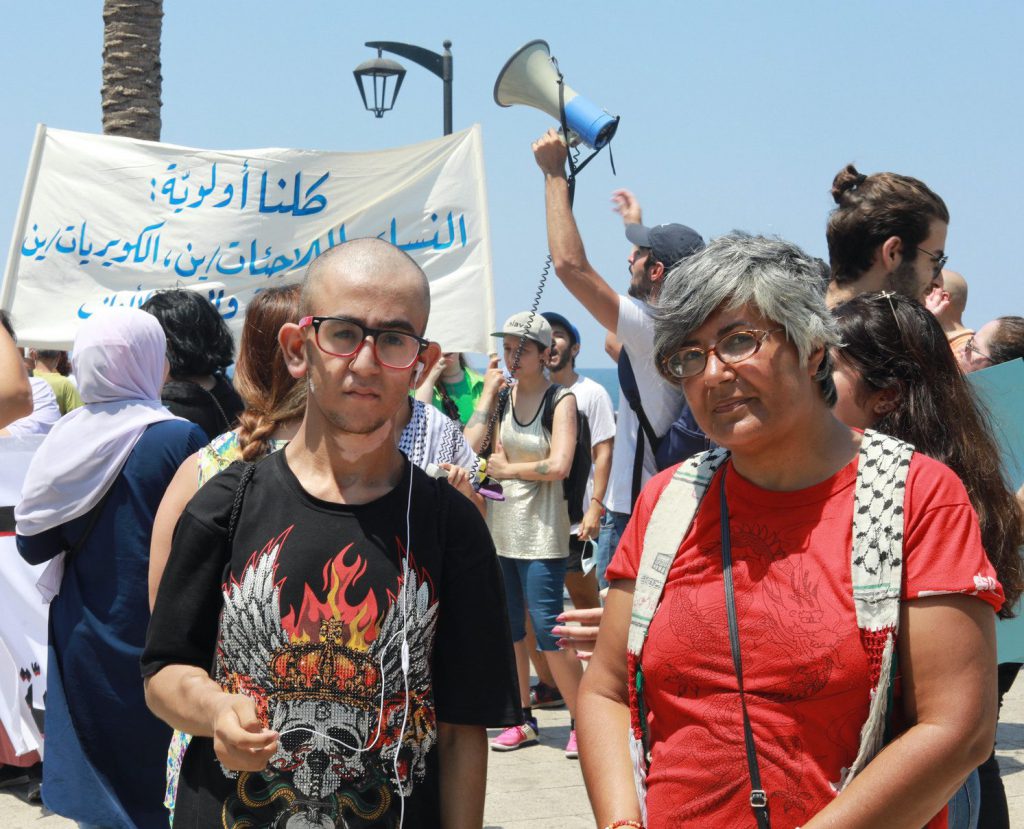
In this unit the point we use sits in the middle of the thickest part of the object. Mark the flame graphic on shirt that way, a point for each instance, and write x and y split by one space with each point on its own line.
338 579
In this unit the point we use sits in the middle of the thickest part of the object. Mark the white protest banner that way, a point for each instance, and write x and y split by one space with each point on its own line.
23 623
106 221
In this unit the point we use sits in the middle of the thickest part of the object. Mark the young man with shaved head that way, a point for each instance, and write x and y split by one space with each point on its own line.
351 607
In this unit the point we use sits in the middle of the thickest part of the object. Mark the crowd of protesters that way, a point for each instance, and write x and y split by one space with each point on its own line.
300 596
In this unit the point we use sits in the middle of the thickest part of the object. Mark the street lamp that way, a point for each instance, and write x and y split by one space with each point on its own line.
380 70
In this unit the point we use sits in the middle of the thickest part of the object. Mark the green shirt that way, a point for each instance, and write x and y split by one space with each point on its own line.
64 390
465 393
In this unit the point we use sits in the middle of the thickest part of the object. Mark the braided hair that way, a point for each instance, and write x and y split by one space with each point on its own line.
272 396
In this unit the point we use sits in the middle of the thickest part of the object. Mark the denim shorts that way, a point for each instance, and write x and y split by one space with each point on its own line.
965 806
574 561
542 580
613 524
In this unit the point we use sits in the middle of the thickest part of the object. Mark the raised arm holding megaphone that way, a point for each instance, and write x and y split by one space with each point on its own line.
655 251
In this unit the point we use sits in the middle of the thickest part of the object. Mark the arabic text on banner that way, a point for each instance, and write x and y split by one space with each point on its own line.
107 221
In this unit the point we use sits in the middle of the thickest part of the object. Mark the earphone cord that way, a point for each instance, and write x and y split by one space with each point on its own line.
505 392
404 609
405 647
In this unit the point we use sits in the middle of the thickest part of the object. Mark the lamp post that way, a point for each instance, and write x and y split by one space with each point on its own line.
380 70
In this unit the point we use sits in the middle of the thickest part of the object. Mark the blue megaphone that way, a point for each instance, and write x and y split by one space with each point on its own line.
530 77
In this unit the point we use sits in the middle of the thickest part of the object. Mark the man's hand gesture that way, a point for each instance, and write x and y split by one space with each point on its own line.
625 204
240 740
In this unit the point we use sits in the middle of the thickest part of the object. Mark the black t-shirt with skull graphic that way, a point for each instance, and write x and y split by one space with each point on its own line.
310 613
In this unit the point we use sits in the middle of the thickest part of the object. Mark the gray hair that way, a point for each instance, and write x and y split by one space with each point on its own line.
773 275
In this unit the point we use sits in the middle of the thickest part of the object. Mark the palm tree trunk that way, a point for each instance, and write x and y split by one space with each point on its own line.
131 68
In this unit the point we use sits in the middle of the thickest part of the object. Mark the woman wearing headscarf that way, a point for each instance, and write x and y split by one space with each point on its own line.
88 503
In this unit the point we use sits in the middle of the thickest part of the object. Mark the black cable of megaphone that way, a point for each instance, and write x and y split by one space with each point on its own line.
504 394
572 156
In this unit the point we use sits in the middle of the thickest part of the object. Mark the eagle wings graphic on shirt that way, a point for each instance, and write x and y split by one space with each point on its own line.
327 676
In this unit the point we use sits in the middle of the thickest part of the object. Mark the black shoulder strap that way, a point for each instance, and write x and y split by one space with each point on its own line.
627 382
758 798
236 505
94 516
632 394
547 415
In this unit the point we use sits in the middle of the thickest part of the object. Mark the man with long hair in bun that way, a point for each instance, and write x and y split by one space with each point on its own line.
886 233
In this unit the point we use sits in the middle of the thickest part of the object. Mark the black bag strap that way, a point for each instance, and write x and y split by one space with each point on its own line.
547 417
758 797
632 392
236 505
638 469
236 511
94 516
627 382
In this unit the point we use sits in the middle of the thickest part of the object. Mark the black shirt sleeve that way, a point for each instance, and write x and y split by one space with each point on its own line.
183 626
474 665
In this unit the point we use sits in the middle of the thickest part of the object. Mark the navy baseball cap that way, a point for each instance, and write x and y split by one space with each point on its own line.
557 319
670 244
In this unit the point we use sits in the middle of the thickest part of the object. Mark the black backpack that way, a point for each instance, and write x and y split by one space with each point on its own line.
574 485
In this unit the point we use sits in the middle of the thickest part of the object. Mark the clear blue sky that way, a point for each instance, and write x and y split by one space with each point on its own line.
734 115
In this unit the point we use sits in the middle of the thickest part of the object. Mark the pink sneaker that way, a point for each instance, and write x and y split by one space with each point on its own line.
516 737
571 751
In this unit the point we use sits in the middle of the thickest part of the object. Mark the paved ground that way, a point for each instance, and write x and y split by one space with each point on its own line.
537 787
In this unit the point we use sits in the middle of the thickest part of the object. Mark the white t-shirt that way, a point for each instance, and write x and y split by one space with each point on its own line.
45 411
594 401
662 403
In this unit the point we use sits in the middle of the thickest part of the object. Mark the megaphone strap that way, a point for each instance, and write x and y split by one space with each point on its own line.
572 155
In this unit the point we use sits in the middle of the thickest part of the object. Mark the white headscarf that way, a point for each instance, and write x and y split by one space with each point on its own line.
119 364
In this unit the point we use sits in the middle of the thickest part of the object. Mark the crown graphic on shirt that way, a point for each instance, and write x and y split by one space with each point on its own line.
326 670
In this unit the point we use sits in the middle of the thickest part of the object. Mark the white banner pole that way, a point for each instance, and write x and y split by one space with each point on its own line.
485 225
27 191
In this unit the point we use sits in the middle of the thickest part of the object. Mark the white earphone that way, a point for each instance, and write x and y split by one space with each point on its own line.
417 373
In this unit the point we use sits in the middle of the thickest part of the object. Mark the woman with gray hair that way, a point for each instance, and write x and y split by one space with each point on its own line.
789 665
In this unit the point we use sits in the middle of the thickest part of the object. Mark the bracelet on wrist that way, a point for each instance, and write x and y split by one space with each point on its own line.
618 824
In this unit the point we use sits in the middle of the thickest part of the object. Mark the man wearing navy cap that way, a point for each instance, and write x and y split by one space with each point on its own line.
656 250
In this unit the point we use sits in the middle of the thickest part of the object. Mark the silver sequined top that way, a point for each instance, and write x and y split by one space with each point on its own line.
533 520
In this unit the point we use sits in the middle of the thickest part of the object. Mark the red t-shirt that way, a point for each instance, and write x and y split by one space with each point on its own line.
805 669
